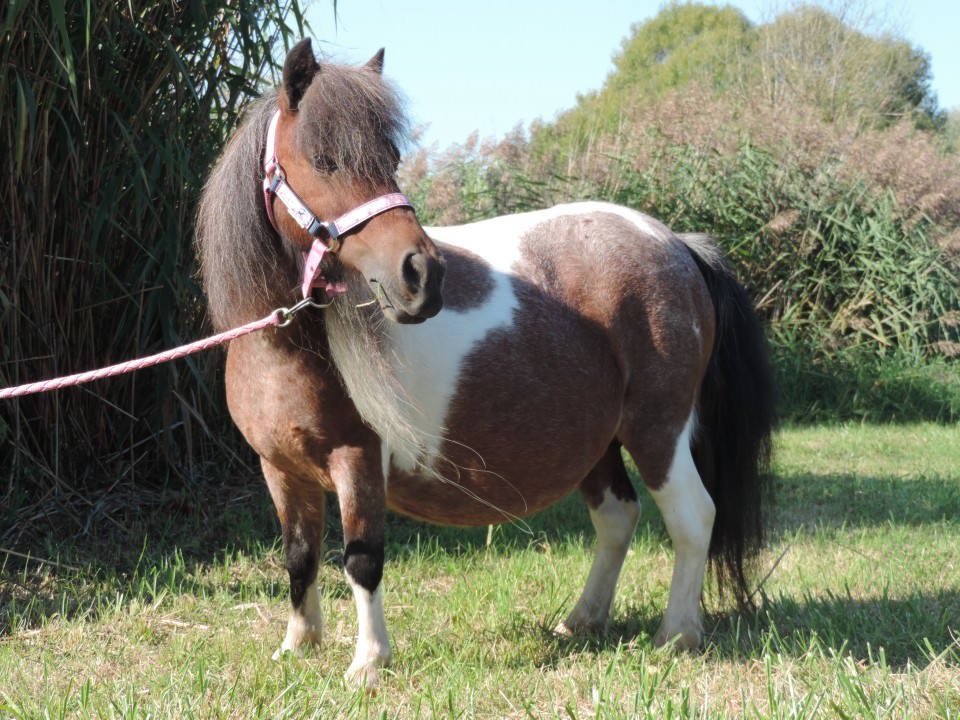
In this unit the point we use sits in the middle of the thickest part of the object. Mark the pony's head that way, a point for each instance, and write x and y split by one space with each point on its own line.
336 142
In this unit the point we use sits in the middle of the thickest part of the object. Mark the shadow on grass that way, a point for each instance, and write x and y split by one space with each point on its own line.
807 500
902 634
860 387
906 631
160 548
907 628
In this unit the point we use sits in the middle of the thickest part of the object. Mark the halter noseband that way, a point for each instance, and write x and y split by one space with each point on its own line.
275 184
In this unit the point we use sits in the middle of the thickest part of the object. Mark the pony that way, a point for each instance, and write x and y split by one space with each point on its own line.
473 375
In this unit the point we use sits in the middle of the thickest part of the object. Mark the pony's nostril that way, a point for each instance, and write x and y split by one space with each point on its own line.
414 271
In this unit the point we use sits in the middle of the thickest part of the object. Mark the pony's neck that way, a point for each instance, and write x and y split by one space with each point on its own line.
363 354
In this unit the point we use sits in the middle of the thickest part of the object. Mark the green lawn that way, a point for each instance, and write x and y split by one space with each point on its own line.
860 613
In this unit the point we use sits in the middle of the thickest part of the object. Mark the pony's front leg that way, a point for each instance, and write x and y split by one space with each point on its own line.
357 475
300 505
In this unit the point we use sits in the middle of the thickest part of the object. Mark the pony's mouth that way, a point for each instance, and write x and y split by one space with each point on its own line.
392 310
405 299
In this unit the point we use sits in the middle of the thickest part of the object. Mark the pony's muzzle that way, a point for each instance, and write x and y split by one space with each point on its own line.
422 276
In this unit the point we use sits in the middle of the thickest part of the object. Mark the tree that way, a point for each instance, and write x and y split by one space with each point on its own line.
812 57
806 58
951 129
685 43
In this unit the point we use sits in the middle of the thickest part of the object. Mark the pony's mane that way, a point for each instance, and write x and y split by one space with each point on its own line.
247 269
355 118
351 115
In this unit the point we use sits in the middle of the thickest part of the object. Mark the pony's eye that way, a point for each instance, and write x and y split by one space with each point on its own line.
324 164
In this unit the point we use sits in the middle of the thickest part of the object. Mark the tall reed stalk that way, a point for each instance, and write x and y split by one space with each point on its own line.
110 116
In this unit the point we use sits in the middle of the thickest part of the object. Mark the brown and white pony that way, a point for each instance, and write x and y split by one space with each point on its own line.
565 335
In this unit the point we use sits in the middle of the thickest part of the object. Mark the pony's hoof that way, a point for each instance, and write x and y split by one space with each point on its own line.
284 651
684 638
575 625
569 630
299 634
296 648
363 676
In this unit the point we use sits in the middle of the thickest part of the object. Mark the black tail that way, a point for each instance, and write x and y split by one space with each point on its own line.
736 418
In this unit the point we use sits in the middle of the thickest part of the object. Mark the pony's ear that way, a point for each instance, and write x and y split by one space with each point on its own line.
298 71
376 62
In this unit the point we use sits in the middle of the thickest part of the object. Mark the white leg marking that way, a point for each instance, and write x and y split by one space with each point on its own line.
304 625
615 521
688 513
373 642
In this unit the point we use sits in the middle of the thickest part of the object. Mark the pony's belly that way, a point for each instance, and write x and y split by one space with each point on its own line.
513 447
515 438
474 498
517 397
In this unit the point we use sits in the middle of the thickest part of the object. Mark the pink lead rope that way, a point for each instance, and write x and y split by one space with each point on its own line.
277 317
274 183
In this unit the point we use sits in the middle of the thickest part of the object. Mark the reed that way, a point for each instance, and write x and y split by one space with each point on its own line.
831 262
110 115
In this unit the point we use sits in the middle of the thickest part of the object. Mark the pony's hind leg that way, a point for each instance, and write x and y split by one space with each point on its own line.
688 513
614 512
300 507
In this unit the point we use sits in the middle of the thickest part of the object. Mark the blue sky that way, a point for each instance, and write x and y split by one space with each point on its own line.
489 65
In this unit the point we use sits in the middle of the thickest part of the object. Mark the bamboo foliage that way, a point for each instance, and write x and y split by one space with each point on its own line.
111 115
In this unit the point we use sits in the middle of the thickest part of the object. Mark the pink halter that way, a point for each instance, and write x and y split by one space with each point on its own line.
275 183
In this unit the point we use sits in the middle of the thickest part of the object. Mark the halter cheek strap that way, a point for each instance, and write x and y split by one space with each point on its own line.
275 185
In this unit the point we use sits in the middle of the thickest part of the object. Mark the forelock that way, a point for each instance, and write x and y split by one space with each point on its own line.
357 118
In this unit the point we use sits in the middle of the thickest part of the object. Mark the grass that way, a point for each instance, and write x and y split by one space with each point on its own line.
860 615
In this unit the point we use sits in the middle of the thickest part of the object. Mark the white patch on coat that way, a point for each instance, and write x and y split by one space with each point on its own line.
373 642
427 358
305 624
